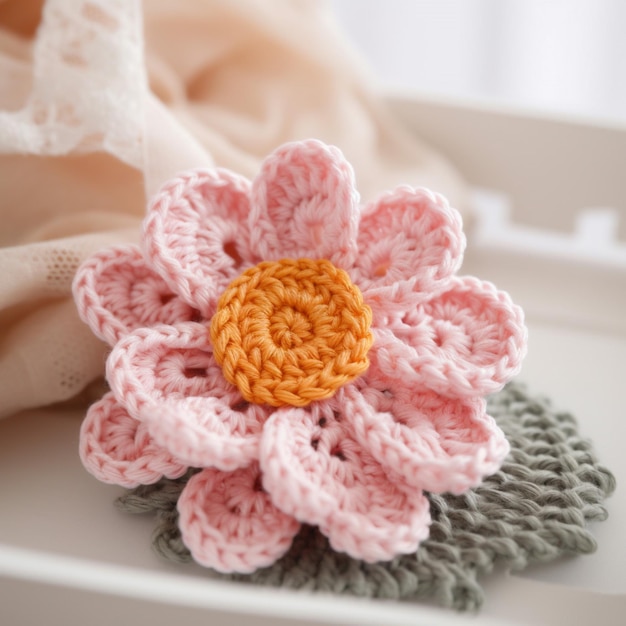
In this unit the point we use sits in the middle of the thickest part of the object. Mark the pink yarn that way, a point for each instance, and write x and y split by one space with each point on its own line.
196 234
414 240
230 524
316 471
425 439
355 464
167 378
116 292
466 341
118 449
305 205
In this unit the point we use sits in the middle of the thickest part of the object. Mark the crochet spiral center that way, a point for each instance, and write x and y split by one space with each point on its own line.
290 332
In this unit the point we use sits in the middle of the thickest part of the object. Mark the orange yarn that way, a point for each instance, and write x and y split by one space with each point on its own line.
291 331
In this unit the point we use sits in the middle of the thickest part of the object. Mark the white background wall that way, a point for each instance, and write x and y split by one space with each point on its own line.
565 56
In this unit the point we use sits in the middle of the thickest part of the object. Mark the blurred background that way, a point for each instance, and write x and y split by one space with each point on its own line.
558 56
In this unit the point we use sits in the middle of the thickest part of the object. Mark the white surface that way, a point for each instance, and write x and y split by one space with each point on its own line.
63 544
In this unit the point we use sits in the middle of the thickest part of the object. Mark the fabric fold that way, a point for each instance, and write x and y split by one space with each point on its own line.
102 101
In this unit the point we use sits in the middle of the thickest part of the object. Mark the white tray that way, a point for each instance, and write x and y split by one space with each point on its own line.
68 557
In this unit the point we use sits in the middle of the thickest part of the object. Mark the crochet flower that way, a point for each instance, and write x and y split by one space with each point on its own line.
321 363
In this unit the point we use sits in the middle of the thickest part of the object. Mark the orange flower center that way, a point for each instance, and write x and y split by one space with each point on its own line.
291 331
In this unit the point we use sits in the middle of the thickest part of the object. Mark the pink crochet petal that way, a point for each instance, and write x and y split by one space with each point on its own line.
304 204
410 243
426 440
117 449
467 341
168 378
116 292
151 365
216 432
230 524
196 234
315 471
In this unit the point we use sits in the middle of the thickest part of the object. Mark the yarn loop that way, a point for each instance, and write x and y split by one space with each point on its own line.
290 332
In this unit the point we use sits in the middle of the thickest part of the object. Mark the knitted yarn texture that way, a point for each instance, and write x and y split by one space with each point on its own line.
319 362
535 508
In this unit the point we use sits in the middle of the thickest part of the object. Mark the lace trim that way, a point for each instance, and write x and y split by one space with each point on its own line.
89 83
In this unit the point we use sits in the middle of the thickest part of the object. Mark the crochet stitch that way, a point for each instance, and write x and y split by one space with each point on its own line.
290 332
534 509
321 364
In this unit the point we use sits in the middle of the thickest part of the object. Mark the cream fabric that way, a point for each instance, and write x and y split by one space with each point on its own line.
102 100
